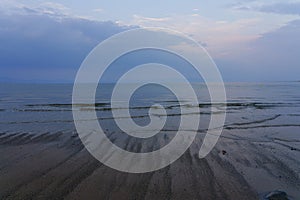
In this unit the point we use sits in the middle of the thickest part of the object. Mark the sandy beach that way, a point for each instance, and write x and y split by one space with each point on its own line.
57 166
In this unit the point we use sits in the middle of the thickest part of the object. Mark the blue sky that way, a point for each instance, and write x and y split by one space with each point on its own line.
46 41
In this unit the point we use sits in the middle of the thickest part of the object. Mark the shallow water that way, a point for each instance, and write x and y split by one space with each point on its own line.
37 108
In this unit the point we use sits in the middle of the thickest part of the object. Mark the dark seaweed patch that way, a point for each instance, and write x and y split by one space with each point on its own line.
40 110
262 126
254 122
68 105
237 105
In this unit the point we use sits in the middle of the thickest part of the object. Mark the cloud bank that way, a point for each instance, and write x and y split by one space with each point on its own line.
274 56
39 42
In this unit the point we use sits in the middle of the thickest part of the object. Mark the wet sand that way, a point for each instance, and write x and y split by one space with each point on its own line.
57 166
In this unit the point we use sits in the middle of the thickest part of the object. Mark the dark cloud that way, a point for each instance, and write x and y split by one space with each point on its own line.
280 47
282 8
38 41
287 8
272 57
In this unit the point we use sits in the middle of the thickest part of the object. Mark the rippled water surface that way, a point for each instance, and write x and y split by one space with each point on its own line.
38 108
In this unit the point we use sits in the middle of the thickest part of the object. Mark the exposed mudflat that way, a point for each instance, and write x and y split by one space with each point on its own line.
57 166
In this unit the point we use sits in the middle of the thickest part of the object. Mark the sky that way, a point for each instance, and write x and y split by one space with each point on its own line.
250 40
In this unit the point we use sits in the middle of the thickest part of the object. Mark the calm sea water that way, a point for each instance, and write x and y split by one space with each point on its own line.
41 108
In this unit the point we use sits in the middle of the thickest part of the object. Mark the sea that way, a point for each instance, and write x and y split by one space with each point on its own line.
47 108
